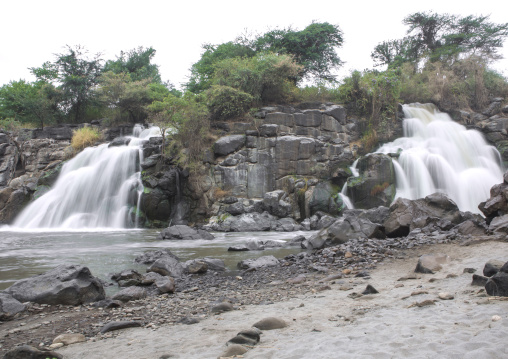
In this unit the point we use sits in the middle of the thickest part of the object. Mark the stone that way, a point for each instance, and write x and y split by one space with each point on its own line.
151 256
189 320
120 141
446 296
492 267
111 326
228 144
167 266
214 264
370 290
66 284
150 278
261 262
183 232
29 352
222 307
127 278
247 337
430 263
130 293
107 303
479 280
9 306
270 323
233 350
165 285
196 267
499 224
297 241
497 285
69 338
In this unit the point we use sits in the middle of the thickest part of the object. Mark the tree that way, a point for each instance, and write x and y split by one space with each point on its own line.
137 63
78 77
313 47
442 37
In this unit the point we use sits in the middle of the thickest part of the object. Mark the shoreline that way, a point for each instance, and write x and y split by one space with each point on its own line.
255 295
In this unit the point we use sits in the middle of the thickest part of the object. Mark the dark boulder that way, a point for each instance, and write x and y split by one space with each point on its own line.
29 352
9 306
228 144
111 326
492 267
497 285
120 141
167 266
183 232
66 284
127 278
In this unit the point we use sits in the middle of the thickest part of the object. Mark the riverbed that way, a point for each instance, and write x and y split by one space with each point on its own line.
27 253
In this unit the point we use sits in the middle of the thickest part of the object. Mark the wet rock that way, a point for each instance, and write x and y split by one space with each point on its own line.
296 241
127 278
261 262
182 232
120 325
196 267
497 285
69 338
29 352
107 303
238 249
130 293
270 323
479 280
430 263
65 284
151 256
214 264
167 266
120 141
246 337
9 307
492 267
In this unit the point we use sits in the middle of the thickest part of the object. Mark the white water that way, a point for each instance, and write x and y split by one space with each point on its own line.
440 155
99 188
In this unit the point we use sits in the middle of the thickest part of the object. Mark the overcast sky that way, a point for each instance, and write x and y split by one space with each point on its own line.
33 31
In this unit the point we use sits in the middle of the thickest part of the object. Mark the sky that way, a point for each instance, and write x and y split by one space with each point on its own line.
33 31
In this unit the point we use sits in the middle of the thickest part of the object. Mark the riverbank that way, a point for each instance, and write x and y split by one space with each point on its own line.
326 315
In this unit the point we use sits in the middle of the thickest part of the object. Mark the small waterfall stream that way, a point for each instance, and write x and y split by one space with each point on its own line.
99 188
440 155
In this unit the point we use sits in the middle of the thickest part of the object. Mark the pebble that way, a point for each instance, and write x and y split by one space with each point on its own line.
496 318
446 296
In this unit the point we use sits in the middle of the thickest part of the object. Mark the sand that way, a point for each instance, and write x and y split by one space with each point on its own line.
331 324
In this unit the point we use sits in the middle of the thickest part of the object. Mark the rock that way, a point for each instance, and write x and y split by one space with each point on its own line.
247 222
167 266
222 307
446 296
273 203
370 290
189 320
151 256
9 306
120 141
479 280
111 326
29 352
407 215
66 284
497 285
430 263
68 339
196 267
247 337
233 350
150 278
261 262
182 232
325 198
270 323
107 303
165 285
214 264
130 293
127 278
228 144
492 267
238 249
297 241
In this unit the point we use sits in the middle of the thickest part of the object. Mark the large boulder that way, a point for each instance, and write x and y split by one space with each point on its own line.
326 198
275 204
498 284
406 215
261 262
66 284
497 204
9 306
228 144
375 184
247 222
183 232
167 266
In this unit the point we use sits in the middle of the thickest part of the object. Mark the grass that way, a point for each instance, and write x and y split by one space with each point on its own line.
84 137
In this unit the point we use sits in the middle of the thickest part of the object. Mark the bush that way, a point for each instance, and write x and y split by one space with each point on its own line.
226 102
84 137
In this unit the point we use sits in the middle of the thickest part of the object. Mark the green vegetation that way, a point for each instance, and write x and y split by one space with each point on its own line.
84 137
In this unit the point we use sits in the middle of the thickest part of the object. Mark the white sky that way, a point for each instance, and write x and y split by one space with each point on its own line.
34 30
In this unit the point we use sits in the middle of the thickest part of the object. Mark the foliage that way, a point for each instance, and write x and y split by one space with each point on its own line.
314 48
84 137
225 102
442 37
78 76
320 92
137 63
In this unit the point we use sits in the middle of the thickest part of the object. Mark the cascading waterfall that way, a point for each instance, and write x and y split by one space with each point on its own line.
99 188
440 155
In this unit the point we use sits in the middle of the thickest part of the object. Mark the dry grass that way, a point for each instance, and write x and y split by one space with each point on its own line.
84 137
219 193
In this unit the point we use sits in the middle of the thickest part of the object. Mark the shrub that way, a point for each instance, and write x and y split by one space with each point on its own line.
84 137
225 102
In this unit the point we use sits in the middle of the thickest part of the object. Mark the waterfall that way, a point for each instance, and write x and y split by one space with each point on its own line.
440 155
99 188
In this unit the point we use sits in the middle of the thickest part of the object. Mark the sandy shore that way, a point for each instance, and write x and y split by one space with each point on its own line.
333 324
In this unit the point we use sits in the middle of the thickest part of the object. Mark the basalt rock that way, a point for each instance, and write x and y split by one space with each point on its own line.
183 232
65 284
9 306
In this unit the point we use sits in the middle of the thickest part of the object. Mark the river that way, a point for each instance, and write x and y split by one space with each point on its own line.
28 253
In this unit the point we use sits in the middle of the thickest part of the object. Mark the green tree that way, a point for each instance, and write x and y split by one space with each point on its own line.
137 63
78 77
315 47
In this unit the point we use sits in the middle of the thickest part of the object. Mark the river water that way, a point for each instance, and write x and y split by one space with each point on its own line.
28 253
